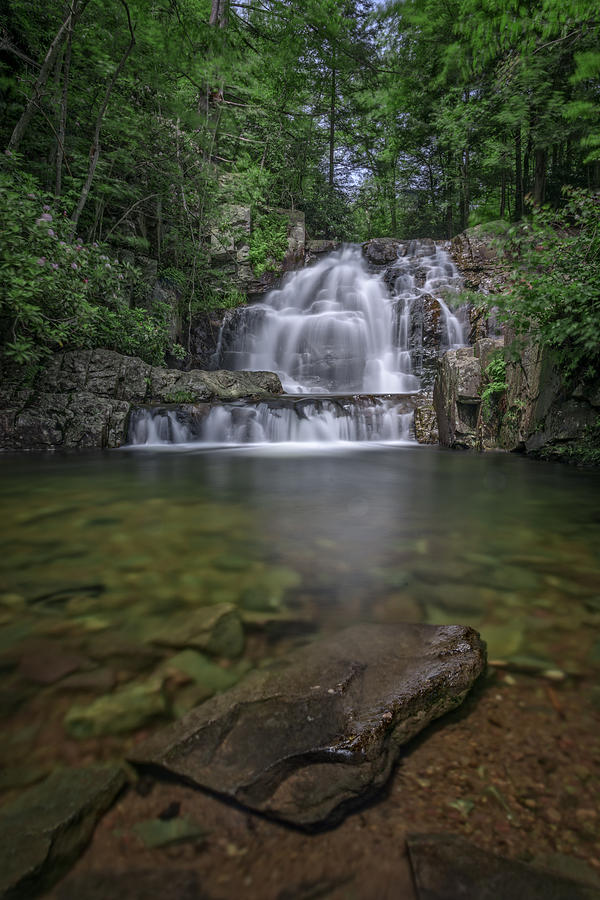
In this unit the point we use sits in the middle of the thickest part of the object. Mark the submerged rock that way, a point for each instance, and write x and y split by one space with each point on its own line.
44 830
306 738
126 710
446 867
215 629
165 832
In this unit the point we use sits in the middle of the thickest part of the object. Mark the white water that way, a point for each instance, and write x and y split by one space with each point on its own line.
318 420
332 329
335 328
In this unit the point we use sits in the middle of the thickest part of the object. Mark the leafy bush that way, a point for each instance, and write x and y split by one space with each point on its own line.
214 298
555 285
494 381
56 292
268 242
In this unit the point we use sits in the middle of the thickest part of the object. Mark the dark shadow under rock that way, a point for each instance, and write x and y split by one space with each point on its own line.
303 740
448 868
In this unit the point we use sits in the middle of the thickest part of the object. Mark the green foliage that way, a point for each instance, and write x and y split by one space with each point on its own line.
494 381
268 242
555 285
217 298
180 397
57 293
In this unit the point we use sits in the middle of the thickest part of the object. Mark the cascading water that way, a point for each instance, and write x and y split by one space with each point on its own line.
328 330
314 419
332 330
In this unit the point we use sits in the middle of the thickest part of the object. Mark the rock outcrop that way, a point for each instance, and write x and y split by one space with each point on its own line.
544 413
230 250
382 251
84 398
321 730
474 253
457 396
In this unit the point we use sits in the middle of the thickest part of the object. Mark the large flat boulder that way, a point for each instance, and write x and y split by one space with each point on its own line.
303 740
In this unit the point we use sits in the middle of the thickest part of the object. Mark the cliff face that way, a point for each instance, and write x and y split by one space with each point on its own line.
539 412
545 414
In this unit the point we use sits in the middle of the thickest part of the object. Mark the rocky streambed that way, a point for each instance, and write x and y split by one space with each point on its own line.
130 596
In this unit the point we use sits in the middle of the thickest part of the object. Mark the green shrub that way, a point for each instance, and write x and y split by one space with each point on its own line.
494 381
57 292
268 242
554 294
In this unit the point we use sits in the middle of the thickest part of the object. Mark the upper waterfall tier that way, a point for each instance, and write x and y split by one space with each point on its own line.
336 328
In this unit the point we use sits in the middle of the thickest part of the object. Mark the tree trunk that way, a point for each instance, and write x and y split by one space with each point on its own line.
218 13
62 120
42 79
332 125
526 158
539 183
95 146
518 176
465 188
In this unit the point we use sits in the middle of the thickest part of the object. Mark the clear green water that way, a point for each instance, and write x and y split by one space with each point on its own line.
100 548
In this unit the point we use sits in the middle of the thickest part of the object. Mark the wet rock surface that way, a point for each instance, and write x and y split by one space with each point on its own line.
544 412
382 251
45 829
426 428
305 739
84 398
474 253
446 867
457 395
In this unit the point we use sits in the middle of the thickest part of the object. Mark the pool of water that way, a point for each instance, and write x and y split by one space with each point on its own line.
101 551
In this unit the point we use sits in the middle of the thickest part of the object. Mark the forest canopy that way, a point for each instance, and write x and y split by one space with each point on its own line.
135 121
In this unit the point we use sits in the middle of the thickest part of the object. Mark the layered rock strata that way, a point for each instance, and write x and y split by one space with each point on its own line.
84 398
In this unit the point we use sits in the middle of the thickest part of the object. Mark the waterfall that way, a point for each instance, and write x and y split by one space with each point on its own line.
328 330
305 421
352 349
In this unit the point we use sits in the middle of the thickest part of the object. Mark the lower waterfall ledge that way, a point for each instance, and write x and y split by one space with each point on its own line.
291 418
83 399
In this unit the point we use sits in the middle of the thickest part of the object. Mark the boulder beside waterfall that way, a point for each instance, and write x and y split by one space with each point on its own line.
312 735
84 398
457 395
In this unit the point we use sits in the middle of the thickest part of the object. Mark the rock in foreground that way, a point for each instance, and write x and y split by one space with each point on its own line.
446 867
305 739
44 830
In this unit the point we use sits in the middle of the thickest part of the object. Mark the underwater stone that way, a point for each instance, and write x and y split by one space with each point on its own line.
215 629
164 833
44 830
322 729
126 710
202 670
